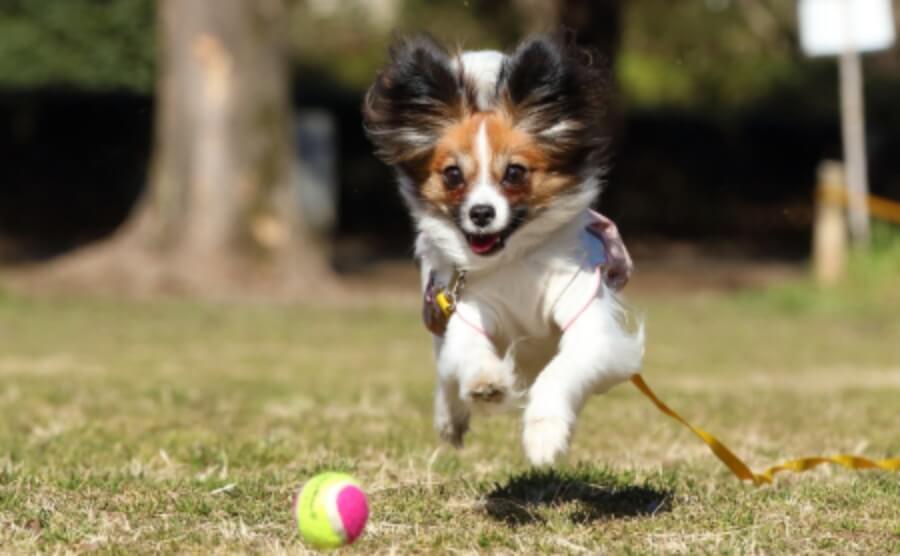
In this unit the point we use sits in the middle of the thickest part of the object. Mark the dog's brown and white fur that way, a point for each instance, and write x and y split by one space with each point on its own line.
499 158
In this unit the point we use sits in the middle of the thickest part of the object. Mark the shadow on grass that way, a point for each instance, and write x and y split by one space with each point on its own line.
595 493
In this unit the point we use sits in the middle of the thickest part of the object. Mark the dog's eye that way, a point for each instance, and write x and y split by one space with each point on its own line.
453 177
514 175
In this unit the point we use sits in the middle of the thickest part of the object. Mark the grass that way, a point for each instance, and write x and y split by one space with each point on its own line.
172 426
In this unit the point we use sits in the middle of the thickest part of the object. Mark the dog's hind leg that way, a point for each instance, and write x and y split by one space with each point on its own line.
451 415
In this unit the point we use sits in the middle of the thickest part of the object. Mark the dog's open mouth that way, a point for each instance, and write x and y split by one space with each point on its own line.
485 244
488 244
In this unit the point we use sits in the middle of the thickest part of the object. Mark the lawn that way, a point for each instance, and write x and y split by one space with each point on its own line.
176 426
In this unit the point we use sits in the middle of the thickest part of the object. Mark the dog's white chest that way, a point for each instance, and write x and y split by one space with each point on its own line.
521 299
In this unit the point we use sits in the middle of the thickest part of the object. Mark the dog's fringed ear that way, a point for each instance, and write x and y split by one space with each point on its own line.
412 100
557 91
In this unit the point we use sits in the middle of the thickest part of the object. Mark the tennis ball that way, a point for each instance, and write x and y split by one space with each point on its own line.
331 510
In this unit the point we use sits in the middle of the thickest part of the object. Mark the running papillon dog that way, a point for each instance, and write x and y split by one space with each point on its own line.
499 158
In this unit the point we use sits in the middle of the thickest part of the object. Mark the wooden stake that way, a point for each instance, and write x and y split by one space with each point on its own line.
830 226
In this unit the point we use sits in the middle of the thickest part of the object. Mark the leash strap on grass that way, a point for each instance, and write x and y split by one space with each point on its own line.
740 469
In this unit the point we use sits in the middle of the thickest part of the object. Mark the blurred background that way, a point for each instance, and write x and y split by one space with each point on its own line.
207 292
170 145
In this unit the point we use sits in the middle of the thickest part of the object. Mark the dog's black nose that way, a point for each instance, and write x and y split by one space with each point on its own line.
482 215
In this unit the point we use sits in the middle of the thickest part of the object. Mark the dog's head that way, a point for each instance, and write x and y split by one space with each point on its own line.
493 151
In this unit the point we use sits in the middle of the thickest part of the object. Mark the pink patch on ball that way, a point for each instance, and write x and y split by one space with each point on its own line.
354 511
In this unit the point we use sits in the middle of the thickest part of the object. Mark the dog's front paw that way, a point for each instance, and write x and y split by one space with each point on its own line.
545 439
492 387
486 390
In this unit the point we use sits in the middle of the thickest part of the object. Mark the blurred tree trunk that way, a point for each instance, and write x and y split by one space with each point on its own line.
598 25
222 192
221 214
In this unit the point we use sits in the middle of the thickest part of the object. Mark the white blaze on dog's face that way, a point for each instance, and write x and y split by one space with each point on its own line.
492 150
485 212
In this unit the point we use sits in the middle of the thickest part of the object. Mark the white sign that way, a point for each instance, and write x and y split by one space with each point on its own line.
829 27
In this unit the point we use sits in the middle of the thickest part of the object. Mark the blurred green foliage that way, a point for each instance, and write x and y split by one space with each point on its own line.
691 53
349 42
88 44
711 51
687 53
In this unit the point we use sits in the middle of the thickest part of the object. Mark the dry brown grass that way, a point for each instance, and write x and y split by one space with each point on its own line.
171 426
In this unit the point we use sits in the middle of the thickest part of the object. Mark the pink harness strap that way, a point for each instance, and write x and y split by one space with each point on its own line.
606 252
598 275
472 325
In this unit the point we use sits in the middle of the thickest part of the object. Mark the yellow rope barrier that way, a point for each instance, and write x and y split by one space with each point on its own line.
886 209
740 469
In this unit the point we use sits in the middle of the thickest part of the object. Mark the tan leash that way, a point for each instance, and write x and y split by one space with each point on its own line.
741 470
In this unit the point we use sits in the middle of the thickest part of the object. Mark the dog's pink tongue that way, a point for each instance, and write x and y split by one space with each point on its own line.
483 244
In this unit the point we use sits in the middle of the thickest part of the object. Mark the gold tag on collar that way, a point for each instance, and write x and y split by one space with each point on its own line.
445 303
437 307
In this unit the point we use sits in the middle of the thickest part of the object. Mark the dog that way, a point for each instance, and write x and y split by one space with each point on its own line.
499 158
